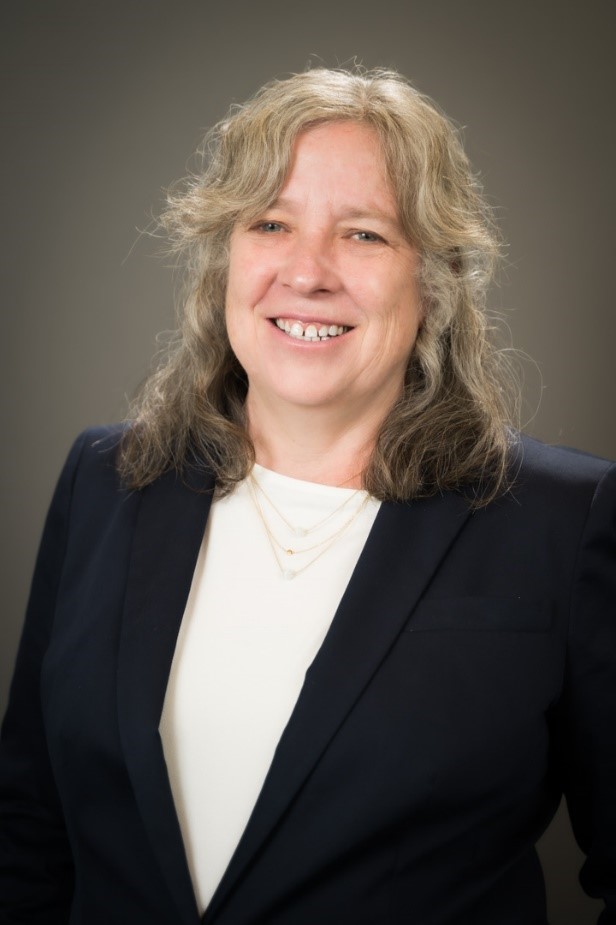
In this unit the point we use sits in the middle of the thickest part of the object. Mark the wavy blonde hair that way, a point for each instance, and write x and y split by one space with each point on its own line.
450 426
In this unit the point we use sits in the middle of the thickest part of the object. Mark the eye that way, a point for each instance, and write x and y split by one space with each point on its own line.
369 237
268 227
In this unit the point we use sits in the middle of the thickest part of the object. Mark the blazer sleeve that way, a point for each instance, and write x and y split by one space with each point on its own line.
36 867
589 706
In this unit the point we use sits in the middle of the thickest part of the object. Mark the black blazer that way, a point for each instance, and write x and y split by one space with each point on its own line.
468 678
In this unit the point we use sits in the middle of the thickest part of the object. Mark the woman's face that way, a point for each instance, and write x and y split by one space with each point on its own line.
322 301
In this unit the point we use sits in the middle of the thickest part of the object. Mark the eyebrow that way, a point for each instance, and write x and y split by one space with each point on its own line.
370 214
349 212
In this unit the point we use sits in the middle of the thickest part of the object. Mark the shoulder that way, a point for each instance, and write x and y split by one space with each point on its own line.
92 469
97 444
555 470
557 495
96 447
90 472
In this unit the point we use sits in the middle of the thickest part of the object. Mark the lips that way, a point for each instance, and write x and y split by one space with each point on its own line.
312 331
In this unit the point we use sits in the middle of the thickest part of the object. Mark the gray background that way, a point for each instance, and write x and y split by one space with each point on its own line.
103 104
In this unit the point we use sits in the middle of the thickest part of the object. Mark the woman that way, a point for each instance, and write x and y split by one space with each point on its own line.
316 637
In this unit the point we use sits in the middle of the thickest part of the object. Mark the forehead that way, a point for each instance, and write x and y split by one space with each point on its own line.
340 160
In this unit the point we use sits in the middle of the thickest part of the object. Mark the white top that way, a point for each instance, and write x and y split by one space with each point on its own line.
246 640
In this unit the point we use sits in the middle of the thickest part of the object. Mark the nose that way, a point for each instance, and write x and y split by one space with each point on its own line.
308 267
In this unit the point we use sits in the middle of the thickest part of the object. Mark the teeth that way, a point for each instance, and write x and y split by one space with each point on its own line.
311 332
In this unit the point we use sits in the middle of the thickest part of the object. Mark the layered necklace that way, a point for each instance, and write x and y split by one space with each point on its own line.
286 554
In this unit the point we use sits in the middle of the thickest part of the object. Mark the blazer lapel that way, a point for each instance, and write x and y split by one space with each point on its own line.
405 546
170 525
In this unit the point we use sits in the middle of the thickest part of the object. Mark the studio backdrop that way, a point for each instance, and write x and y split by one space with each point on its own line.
103 105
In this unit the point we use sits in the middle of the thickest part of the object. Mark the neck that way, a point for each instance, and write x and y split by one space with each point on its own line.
312 444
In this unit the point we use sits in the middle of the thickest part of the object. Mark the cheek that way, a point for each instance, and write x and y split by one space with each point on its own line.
401 315
235 312
231 304
409 309
236 282
401 330
251 273
247 288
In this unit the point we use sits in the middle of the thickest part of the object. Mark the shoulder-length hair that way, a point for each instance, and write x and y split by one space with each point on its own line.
449 428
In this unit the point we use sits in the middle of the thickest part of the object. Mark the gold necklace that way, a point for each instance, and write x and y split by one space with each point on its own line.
286 572
301 531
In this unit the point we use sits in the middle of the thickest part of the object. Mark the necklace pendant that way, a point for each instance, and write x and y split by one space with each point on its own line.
289 552
288 574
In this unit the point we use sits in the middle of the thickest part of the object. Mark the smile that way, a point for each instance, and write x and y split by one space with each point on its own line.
311 332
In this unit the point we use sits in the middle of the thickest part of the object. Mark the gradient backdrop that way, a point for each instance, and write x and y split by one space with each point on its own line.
103 103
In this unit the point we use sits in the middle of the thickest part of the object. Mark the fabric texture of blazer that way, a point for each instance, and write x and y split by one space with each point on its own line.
468 679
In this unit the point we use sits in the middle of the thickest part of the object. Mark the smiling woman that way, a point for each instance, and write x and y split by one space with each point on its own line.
329 253
397 192
317 636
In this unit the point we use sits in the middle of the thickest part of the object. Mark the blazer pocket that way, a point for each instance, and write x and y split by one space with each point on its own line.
481 614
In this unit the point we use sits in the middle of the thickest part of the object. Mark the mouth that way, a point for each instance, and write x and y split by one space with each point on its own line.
312 331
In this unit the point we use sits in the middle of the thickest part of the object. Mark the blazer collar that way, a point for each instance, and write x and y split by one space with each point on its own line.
170 525
405 547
